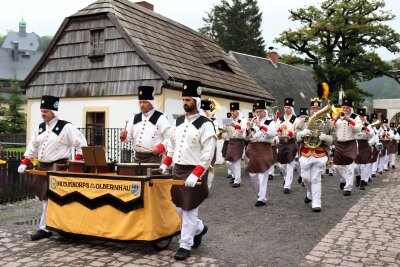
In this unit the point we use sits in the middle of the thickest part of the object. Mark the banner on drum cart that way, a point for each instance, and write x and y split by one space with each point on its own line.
92 192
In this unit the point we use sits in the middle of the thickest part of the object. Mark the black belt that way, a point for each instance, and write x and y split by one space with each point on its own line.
286 140
49 165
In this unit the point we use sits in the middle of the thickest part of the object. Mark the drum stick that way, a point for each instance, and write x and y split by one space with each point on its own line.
126 124
146 148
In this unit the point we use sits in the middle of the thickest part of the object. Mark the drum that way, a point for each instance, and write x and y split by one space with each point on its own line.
136 168
79 167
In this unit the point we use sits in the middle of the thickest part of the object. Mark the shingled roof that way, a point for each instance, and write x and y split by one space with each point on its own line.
280 80
17 66
174 51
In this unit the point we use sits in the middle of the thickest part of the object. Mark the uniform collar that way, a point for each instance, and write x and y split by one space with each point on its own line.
192 117
52 122
148 114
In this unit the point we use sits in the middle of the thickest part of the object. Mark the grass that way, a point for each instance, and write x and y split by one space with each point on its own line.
15 149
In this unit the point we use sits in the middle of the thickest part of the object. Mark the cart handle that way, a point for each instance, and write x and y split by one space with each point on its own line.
171 182
37 172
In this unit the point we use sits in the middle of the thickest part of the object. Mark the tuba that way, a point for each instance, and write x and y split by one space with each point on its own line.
316 125
214 107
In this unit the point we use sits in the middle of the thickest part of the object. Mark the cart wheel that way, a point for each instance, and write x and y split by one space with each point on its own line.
161 245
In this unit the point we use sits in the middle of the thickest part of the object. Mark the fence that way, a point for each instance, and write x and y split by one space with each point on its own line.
15 138
14 186
109 138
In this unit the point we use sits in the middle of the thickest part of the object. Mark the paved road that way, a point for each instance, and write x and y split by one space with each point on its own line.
360 230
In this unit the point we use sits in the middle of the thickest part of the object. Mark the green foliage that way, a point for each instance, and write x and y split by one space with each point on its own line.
14 120
236 26
2 38
337 39
44 42
15 149
291 59
382 88
396 63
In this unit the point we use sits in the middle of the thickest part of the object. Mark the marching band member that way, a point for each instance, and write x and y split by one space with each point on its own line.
286 126
314 158
52 142
260 133
303 119
394 135
206 107
375 142
347 125
191 147
362 163
384 136
234 151
148 130
224 136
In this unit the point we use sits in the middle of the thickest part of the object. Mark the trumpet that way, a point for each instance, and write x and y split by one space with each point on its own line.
342 115
250 127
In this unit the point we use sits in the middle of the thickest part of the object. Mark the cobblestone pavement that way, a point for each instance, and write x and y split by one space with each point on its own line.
362 230
369 233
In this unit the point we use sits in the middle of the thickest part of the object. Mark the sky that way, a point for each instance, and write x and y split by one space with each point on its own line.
44 17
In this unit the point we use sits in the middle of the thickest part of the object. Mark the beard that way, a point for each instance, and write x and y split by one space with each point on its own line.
188 108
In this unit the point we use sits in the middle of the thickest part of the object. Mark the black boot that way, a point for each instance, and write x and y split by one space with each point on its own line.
300 180
362 185
342 185
40 234
182 254
358 180
197 238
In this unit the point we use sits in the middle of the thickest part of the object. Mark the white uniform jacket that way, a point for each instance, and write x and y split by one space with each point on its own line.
54 141
347 130
148 130
192 141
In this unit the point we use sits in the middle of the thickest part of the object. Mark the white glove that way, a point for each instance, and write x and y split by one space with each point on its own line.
191 180
164 169
305 132
323 137
371 142
22 168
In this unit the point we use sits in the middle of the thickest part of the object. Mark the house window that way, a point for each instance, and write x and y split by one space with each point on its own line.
95 128
97 42
221 65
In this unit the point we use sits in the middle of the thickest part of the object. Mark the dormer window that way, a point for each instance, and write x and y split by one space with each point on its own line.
97 42
221 65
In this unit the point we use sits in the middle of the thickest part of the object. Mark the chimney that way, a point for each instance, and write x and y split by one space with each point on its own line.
14 52
273 56
145 5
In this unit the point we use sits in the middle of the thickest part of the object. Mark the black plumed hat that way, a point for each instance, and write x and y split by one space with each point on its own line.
49 102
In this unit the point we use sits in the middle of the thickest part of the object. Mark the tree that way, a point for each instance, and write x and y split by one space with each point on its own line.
338 40
44 42
3 124
396 64
236 26
291 59
2 38
13 117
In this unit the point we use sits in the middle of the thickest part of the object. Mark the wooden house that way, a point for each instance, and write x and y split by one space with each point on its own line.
101 54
